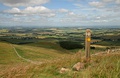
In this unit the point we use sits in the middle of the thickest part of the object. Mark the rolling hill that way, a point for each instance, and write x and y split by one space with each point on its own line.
12 66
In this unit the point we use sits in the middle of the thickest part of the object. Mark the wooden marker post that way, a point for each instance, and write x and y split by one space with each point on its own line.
87 43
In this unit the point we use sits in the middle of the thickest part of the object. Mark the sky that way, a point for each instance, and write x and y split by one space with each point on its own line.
59 12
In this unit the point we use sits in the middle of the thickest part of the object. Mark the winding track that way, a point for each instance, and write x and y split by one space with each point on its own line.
28 60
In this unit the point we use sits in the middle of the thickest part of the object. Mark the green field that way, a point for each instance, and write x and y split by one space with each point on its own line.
7 54
11 66
42 52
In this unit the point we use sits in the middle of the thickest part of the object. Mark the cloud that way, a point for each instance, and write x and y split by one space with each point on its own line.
115 1
16 3
108 5
96 4
38 10
84 12
25 21
78 5
13 10
71 13
74 0
63 10
118 1
78 18
71 16
107 0
113 9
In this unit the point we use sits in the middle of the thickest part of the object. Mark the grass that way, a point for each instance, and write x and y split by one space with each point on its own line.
102 66
39 53
109 43
48 44
107 67
7 54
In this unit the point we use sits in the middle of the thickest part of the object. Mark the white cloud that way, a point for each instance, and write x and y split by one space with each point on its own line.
16 3
13 10
100 21
78 5
98 17
96 4
118 1
115 1
110 6
38 10
63 10
71 13
74 18
107 0
33 13
110 0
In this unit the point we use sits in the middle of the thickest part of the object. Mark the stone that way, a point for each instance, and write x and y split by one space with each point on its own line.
78 66
64 70
108 51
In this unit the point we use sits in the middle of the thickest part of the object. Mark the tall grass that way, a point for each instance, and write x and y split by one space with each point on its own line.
108 66
100 66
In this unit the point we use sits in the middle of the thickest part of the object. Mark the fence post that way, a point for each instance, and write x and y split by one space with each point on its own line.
87 43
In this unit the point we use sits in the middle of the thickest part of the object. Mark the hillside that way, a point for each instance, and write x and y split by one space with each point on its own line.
7 54
29 52
11 66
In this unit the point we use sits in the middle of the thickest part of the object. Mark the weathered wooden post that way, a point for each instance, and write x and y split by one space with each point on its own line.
87 43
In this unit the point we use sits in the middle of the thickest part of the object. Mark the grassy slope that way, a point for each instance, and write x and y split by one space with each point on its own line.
7 54
9 61
106 66
49 45
38 53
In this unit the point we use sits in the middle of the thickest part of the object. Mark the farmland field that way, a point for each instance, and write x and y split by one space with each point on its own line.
41 52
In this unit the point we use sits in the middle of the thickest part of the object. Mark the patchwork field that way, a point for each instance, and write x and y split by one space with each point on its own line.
42 52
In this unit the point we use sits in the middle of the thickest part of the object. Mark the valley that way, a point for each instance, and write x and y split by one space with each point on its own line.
41 52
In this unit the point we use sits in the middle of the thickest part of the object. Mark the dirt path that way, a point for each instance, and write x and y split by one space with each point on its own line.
28 60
